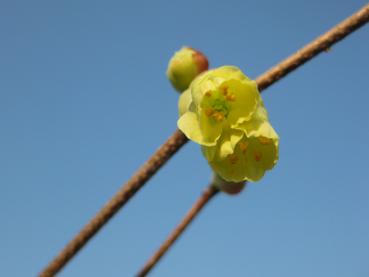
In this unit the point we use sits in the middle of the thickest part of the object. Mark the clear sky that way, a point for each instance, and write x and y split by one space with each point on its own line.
84 101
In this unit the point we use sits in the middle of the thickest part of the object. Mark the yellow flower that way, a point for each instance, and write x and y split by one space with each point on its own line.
184 66
217 100
223 112
239 157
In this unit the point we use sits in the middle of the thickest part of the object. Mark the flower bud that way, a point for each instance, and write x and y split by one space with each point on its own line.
231 188
184 66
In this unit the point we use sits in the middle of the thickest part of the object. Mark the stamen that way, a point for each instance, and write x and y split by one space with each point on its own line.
258 156
209 112
243 146
208 93
230 97
224 90
233 159
218 116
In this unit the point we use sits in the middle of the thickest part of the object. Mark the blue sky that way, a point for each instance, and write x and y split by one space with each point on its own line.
84 101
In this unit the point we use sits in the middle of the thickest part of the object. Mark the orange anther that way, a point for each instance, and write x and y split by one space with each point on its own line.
243 146
210 112
208 93
258 156
233 158
230 97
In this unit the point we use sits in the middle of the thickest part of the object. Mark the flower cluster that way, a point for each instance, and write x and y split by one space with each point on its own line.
223 112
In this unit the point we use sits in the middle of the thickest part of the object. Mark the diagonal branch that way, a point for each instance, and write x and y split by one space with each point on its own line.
205 197
320 44
177 140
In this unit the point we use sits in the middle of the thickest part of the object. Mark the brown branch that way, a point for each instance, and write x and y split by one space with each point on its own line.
168 149
177 140
206 196
320 44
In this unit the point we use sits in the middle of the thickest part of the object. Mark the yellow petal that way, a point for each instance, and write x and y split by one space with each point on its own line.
228 142
261 156
225 146
229 72
246 99
199 130
210 128
209 152
264 129
230 168
259 117
184 102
